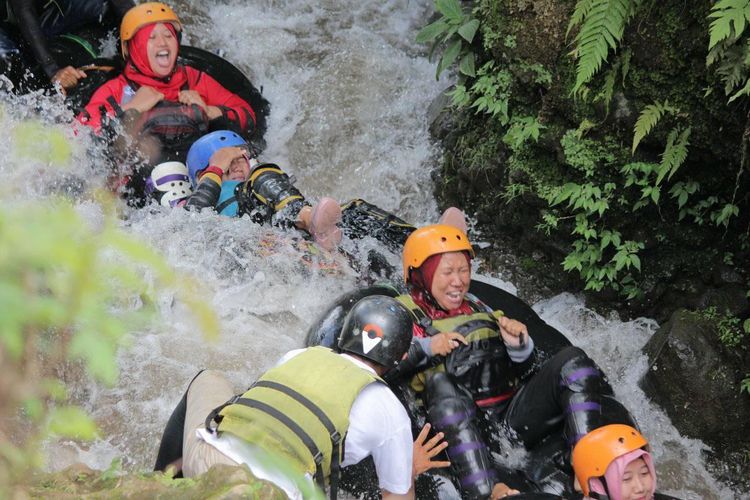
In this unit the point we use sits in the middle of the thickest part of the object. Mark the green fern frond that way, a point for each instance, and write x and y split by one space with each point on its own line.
743 91
582 9
733 69
730 19
650 116
602 25
608 89
675 153
626 56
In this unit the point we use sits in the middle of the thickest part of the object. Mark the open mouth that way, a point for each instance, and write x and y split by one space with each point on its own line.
163 58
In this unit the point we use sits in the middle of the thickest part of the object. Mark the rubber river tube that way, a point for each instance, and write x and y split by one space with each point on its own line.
543 469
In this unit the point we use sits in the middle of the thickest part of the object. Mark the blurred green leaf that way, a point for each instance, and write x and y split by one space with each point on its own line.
72 422
38 141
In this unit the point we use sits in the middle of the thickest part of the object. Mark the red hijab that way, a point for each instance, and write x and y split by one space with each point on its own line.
138 70
421 287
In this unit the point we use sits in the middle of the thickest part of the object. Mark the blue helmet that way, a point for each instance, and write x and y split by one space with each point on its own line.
227 204
202 149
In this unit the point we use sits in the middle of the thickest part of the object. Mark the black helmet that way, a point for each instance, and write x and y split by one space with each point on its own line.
378 328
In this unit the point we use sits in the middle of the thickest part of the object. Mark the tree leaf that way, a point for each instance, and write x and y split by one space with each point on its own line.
450 9
72 422
449 57
468 30
467 65
431 31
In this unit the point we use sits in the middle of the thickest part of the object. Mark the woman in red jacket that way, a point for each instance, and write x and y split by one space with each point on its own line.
155 96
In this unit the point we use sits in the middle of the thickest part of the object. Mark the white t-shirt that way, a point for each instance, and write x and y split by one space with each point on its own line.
378 426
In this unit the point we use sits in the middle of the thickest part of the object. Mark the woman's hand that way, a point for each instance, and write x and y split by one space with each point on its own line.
224 157
190 97
425 451
502 490
514 332
144 99
68 77
443 343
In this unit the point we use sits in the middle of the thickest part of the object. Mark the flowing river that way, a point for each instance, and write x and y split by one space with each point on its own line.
349 90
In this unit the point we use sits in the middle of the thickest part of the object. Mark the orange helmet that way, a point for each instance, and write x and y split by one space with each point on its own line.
432 240
597 449
143 15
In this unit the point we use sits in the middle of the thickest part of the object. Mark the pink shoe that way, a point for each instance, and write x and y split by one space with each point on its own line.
325 215
454 217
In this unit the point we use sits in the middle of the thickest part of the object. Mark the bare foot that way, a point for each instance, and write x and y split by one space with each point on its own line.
323 219
454 217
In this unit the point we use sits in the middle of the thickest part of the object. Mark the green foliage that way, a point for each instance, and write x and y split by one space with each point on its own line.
620 67
585 155
594 183
601 26
455 30
71 422
521 130
648 119
729 20
727 326
37 141
490 93
745 384
68 294
675 153
728 46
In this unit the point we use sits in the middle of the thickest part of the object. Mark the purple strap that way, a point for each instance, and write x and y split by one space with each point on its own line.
585 406
453 419
579 374
464 447
170 178
476 477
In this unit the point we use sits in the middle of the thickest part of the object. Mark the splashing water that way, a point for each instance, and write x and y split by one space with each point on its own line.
349 90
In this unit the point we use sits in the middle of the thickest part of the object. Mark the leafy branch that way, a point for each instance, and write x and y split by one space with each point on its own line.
455 29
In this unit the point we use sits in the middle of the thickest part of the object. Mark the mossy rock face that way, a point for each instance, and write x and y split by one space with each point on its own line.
220 482
667 46
696 380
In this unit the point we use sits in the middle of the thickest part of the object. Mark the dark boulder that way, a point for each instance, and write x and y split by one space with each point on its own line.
697 380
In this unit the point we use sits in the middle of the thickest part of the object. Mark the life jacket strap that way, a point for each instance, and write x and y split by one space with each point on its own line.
336 437
296 429
224 204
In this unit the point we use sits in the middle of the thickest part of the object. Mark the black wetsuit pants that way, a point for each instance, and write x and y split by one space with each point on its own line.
568 393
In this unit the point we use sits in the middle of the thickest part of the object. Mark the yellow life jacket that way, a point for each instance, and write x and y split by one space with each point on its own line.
299 410
485 352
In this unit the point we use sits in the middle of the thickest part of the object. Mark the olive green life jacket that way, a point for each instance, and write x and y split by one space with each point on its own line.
299 411
479 329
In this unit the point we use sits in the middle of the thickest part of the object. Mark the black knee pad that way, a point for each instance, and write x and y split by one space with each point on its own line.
585 412
452 411
579 373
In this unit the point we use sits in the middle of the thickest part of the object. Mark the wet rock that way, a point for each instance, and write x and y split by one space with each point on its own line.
697 382
729 299
724 274
439 116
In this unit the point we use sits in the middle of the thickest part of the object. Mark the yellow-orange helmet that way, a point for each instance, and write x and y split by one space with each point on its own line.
597 449
432 240
143 15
